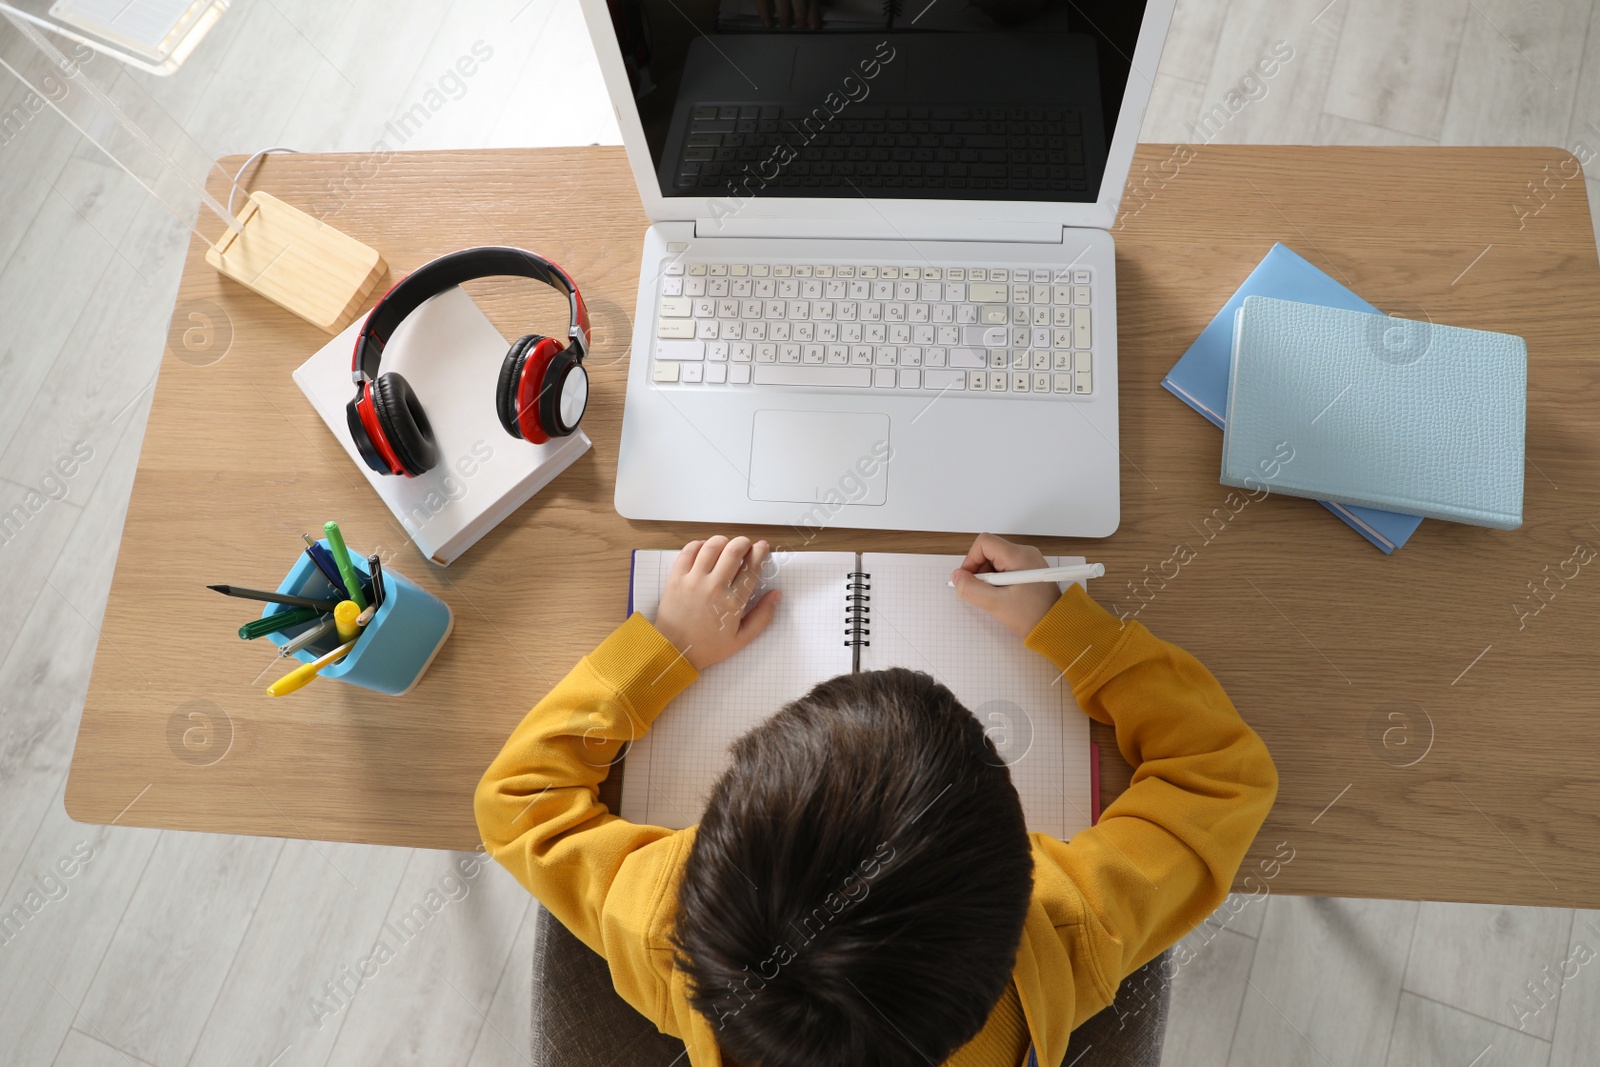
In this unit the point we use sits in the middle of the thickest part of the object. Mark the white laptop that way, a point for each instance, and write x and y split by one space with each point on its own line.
879 289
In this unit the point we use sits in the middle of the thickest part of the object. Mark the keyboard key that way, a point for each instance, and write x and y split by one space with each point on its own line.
1080 295
884 378
1080 277
1063 383
1041 382
716 373
984 336
910 378
717 351
1080 328
679 307
1084 382
665 372
1020 383
994 314
827 377
669 328
1082 361
692 372
969 357
944 379
1060 294
739 374
987 294
997 381
680 351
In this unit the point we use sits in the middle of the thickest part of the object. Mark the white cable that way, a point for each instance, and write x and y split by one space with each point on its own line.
235 187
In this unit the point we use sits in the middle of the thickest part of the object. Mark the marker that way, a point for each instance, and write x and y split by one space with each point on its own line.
326 628
281 620
298 677
375 571
344 619
341 557
275 598
1042 574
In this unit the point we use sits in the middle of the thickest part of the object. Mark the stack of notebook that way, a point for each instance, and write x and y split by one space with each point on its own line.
1383 420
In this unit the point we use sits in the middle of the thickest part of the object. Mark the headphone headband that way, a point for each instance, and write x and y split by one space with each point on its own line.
450 270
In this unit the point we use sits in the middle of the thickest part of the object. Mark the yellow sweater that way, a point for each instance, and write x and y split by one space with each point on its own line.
1162 857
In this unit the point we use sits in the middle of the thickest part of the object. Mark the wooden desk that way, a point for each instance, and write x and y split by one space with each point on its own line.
1348 662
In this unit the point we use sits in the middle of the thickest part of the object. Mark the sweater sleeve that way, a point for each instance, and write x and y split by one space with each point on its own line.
538 805
1164 854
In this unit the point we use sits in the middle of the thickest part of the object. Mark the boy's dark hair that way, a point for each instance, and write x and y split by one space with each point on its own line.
856 891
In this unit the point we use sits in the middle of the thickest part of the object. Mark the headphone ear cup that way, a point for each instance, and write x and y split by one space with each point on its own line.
371 454
533 392
404 423
559 412
505 392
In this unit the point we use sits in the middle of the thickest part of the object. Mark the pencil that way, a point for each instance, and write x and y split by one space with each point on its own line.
275 598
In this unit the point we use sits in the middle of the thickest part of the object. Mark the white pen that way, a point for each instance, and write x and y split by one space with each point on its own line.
1043 574
305 640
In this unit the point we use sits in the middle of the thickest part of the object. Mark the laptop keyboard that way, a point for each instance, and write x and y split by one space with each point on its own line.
981 331
917 151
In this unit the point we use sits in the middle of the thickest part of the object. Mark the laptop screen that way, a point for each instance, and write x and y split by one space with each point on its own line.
906 99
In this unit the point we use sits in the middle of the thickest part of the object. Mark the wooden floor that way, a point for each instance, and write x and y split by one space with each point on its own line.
171 949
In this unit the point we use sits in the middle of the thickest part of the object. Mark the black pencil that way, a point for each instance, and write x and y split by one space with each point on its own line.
275 598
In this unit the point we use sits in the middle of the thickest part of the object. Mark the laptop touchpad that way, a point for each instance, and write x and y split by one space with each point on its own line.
828 457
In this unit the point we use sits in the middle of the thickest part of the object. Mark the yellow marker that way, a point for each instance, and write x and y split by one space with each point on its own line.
307 671
344 617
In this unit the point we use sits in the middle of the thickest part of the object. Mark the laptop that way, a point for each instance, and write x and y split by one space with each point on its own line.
878 289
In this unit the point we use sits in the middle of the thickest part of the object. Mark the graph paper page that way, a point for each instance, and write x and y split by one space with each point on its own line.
670 771
918 621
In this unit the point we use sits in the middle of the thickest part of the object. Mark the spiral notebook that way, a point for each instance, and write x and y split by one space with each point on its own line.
845 612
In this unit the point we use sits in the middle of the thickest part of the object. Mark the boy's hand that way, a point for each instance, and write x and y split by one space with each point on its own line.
1018 607
702 608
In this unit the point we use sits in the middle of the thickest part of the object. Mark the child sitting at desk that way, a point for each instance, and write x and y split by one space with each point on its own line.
861 888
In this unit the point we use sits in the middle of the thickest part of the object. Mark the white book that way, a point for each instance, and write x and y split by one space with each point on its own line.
450 353
915 620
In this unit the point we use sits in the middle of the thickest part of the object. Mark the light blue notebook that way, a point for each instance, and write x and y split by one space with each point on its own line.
1377 412
1200 377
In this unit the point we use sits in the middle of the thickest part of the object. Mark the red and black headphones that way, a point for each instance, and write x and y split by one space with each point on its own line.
542 391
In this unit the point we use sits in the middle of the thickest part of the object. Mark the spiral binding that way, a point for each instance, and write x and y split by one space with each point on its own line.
857 608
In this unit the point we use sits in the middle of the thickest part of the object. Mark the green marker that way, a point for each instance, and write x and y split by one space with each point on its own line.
341 559
281 620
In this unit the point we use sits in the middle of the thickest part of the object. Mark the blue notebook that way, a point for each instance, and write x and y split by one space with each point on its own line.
1200 378
1377 412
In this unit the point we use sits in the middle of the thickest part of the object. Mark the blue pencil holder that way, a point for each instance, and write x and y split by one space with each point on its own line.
393 650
